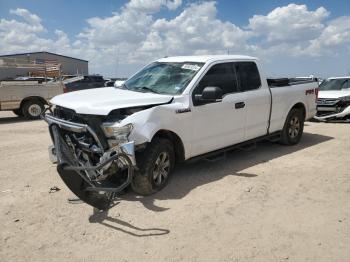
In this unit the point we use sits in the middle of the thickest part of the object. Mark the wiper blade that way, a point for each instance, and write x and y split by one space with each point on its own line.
148 89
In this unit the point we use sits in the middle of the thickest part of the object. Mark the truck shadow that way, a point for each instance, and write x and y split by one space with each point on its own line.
104 219
14 119
188 176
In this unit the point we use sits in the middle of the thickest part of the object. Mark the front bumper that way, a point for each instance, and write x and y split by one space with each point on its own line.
332 113
74 174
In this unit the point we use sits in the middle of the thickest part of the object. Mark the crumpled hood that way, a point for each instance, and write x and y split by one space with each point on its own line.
334 93
101 101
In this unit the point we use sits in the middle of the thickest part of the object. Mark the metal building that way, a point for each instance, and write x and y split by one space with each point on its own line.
68 65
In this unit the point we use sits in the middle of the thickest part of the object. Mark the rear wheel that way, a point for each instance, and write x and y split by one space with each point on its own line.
155 164
293 127
32 109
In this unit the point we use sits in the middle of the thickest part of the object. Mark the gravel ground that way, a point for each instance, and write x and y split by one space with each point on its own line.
273 203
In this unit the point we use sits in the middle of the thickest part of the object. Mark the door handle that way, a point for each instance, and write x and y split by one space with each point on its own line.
239 105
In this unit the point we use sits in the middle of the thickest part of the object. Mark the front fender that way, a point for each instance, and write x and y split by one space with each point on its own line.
165 117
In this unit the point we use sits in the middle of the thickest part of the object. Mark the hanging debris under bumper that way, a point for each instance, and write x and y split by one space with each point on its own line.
94 175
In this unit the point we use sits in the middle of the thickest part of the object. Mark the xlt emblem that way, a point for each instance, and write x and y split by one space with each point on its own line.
183 110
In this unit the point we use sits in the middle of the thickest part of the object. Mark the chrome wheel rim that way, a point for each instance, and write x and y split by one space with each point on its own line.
161 168
34 110
294 127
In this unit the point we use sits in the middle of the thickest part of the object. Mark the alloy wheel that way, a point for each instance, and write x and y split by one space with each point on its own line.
161 168
294 127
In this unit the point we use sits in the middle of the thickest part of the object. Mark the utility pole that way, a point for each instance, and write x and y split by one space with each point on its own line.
116 50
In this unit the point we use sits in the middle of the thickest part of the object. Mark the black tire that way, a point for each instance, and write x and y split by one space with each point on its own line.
18 112
293 127
32 109
144 181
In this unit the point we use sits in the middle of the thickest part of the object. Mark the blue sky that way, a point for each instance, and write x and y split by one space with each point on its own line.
117 37
71 15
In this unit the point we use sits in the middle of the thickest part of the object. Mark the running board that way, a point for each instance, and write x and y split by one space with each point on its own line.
216 158
247 145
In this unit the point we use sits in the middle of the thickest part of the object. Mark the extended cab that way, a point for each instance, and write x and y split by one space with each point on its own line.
174 109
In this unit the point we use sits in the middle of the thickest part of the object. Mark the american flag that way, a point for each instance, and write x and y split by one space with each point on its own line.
50 64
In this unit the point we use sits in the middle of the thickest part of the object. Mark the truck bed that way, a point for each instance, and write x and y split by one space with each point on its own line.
280 82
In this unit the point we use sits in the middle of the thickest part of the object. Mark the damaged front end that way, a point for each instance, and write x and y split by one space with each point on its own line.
95 169
329 109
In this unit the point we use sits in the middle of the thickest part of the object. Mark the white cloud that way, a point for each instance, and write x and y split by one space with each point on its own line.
33 20
133 36
289 23
333 37
23 36
153 6
196 30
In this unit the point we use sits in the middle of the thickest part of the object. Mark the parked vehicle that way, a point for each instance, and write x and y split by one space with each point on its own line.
66 77
334 99
109 82
84 82
33 78
27 98
115 82
173 110
119 82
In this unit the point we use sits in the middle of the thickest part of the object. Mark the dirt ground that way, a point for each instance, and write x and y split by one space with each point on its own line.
273 203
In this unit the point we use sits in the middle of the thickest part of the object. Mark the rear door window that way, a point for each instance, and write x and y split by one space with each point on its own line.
248 76
346 84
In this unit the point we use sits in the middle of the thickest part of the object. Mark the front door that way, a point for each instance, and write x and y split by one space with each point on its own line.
222 123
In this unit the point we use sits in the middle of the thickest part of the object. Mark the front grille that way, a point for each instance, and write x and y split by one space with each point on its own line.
63 152
327 101
94 122
68 114
327 106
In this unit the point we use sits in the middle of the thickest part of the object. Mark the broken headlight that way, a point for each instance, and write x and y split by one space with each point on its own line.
345 98
118 134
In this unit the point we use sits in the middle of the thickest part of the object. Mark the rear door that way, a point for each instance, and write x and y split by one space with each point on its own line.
257 99
218 124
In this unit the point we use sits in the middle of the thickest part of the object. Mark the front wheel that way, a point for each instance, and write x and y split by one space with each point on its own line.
155 164
293 127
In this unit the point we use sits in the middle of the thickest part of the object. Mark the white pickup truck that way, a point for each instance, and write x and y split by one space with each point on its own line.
172 110
27 98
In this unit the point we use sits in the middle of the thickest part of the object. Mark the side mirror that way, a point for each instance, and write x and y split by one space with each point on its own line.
209 94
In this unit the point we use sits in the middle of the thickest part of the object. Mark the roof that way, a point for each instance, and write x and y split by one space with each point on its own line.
205 58
43 52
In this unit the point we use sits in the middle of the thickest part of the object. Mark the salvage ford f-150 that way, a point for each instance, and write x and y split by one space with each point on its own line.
334 99
172 110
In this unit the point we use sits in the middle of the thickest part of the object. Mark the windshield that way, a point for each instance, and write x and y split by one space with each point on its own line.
163 78
335 84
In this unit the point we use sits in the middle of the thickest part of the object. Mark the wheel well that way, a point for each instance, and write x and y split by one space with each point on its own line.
177 143
38 98
300 106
